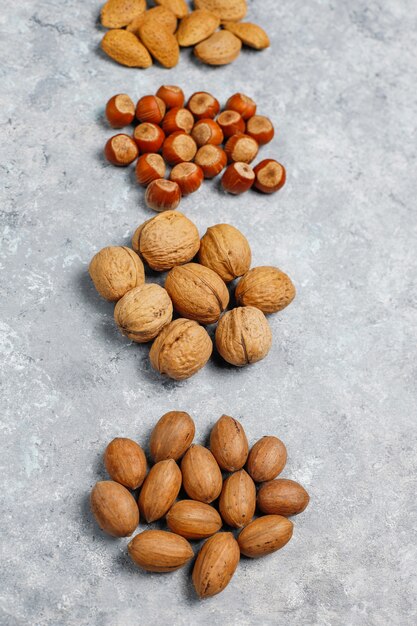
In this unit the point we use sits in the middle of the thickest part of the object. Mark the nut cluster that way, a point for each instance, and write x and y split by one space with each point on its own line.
196 139
138 35
224 485
196 291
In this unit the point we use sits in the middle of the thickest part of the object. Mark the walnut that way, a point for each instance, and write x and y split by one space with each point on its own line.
266 288
197 292
115 270
166 240
143 312
181 349
226 251
243 336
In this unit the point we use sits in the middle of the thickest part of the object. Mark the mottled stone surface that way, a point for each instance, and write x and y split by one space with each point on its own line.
339 384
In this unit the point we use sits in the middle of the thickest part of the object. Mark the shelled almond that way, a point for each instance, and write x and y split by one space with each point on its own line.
218 508
213 28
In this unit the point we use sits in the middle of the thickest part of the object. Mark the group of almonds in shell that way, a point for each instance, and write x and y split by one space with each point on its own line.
196 291
178 463
138 35
197 139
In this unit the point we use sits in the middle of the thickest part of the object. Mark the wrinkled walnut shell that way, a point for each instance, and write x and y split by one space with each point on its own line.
226 251
143 312
243 336
181 349
266 288
166 240
197 292
115 270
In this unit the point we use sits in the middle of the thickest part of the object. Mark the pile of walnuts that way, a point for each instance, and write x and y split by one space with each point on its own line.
196 291
193 517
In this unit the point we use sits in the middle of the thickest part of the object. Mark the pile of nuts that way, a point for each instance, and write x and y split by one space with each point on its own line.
196 291
190 137
117 511
139 34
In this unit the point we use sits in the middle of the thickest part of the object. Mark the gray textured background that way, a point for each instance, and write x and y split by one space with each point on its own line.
337 387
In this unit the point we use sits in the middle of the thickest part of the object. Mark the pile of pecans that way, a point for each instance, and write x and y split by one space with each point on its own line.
196 139
206 475
139 35
197 291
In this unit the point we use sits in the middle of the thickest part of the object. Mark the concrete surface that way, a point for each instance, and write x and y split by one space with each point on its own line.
339 384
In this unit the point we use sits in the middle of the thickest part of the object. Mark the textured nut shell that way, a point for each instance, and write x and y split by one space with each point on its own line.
115 270
238 499
243 336
215 564
160 16
181 349
159 551
160 490
193 520
125 48
197 292
265 535
196 27
160 42
167 240
233 10
178 7
226 251
219 49
266 288
125 462
118 13
229 444
143 312
114 508
202 478
266 459
250 34
172 435
282 497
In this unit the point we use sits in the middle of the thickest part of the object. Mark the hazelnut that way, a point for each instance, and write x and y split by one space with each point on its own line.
207 131
172 95
150 109
181 349
270 176
242 104
188 176
115 270
149 137
177 119
241 148
166 240
203 105
120 110
162 195
260 128
266 288
238 178
197 292
226 251
231 123
143 312
150 167
179 147
211 159
243 336
121 150
125 462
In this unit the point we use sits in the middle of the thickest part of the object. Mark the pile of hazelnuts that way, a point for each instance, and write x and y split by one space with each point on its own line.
196 139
